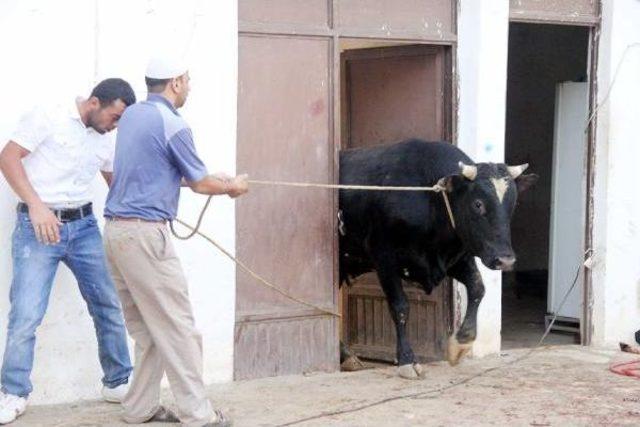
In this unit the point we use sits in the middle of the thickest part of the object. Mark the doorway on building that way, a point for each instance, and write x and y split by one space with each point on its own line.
547 112
392 93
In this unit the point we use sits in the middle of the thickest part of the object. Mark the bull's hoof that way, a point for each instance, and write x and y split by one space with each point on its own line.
351 364
412 371
456 351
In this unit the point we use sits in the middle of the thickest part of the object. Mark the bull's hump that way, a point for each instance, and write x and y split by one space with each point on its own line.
431 160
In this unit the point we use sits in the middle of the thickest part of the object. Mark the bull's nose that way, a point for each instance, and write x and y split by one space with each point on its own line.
505 263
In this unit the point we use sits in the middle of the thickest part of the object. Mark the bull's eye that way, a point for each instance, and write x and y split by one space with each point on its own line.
478 207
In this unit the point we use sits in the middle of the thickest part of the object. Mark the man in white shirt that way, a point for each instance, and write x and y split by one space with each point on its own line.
50 162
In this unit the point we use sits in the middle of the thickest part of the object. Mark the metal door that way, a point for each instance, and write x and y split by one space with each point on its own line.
285 234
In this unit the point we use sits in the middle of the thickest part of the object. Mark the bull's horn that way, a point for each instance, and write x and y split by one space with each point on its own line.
468 171
516 171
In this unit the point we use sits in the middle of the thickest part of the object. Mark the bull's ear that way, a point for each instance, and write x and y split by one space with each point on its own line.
524 182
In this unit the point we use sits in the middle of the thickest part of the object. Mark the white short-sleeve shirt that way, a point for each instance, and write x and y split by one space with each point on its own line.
65 155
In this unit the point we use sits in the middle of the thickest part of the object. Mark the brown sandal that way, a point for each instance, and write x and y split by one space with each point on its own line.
163 415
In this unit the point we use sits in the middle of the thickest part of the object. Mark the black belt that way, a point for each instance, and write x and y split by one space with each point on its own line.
64 215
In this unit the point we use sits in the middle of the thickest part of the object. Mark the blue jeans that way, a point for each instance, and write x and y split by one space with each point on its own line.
34 267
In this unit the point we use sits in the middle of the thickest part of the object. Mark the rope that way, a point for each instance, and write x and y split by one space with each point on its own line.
194 230
449 211
629 369
436 188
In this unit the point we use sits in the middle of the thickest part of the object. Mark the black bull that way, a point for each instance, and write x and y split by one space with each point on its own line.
409 235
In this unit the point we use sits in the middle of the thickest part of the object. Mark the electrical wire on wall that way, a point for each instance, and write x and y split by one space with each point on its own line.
605 98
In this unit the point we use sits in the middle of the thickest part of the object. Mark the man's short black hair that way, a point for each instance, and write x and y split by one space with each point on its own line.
110 90
156 85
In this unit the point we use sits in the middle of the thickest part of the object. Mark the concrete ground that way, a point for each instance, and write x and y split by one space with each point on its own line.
523 321
555 386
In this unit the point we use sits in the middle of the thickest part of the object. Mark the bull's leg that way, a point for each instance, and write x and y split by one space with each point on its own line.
399 308
466 272
345 353
348 360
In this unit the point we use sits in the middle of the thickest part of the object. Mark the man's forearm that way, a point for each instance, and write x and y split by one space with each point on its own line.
211 185
13 171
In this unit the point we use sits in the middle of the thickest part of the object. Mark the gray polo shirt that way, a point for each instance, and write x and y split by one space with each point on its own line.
154 150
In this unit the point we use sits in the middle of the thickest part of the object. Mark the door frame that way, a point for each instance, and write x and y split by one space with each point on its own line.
586 323
447 124
586 327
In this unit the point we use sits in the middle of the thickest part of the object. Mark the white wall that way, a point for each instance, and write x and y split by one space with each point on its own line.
53 51
483 27
482 59
482 64
616 275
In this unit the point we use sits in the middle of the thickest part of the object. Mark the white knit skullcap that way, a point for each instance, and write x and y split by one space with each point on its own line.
161 67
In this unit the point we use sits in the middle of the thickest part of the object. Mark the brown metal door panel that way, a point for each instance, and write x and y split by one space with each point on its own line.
284 347
314 13
554 11
370 331
421 18
283 135
394 98
285 234
393 94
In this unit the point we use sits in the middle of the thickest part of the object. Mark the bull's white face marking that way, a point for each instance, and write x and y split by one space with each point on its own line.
501 185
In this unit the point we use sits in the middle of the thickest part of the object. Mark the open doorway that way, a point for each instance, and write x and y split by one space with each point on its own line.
547 110
388 94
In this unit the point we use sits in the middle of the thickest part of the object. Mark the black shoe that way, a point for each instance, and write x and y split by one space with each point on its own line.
221 421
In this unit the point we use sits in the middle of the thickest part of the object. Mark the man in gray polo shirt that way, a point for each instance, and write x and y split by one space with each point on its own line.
154 155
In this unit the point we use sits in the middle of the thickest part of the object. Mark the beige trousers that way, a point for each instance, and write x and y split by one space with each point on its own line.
157 311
